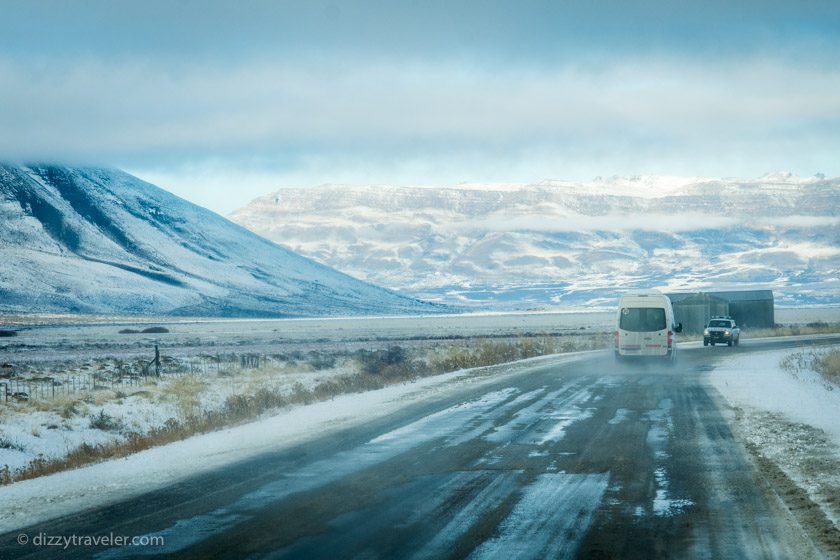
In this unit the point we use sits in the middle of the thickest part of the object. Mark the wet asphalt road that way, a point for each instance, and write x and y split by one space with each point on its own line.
584 460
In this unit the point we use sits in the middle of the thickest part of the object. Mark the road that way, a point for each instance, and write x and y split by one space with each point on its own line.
584 460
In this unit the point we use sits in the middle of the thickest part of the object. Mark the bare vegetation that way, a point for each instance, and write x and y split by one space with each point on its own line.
256 385
815 327
5 443
824 362
829 366
105 422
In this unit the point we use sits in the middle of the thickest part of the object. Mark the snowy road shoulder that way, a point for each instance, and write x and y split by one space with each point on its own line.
758 381
791 421
34 501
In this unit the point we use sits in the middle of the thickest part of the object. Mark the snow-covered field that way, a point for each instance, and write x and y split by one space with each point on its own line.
52 428
33 501
70 333
791 416
759 382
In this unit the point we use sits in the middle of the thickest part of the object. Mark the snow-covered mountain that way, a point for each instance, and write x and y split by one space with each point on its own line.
569 243
102 241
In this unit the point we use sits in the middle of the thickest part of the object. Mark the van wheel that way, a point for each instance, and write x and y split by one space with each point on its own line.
729 342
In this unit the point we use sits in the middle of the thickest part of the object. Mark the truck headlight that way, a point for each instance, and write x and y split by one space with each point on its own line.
705 332
725 333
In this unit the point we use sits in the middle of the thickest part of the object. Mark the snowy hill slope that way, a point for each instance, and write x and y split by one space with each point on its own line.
559 242
102 241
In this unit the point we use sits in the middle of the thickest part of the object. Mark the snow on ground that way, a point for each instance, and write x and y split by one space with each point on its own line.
791 418
45 434
50 429
35 501
758 381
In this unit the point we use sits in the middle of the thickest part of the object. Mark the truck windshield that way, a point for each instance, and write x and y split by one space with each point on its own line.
642 319
724 324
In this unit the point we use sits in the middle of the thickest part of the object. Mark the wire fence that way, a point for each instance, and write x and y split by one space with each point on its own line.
20 383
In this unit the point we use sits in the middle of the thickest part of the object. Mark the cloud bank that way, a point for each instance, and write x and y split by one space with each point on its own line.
432 92
100 109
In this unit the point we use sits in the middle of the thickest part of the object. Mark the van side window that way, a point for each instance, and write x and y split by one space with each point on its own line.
642 319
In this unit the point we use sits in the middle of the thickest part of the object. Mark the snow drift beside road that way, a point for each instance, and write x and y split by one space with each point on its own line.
758 381
790 419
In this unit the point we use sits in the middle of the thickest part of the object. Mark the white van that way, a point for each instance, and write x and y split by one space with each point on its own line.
645 325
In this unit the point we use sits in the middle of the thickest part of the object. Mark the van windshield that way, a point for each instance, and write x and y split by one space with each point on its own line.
642 319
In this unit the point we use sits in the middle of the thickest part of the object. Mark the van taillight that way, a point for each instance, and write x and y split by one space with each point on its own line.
616 338
670 338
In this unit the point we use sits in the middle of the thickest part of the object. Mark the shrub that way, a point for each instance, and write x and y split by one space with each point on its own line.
266 399
375 362
186 391
69 410
321 361
237 407
328 389
106 422
300 394
828 365
6 443
454 358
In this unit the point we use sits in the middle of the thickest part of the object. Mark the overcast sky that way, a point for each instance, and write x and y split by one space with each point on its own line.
221 102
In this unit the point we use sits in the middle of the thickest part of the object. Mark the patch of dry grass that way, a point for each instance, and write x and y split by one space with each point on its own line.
817 327
824 362
829 366
186 393
486 352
